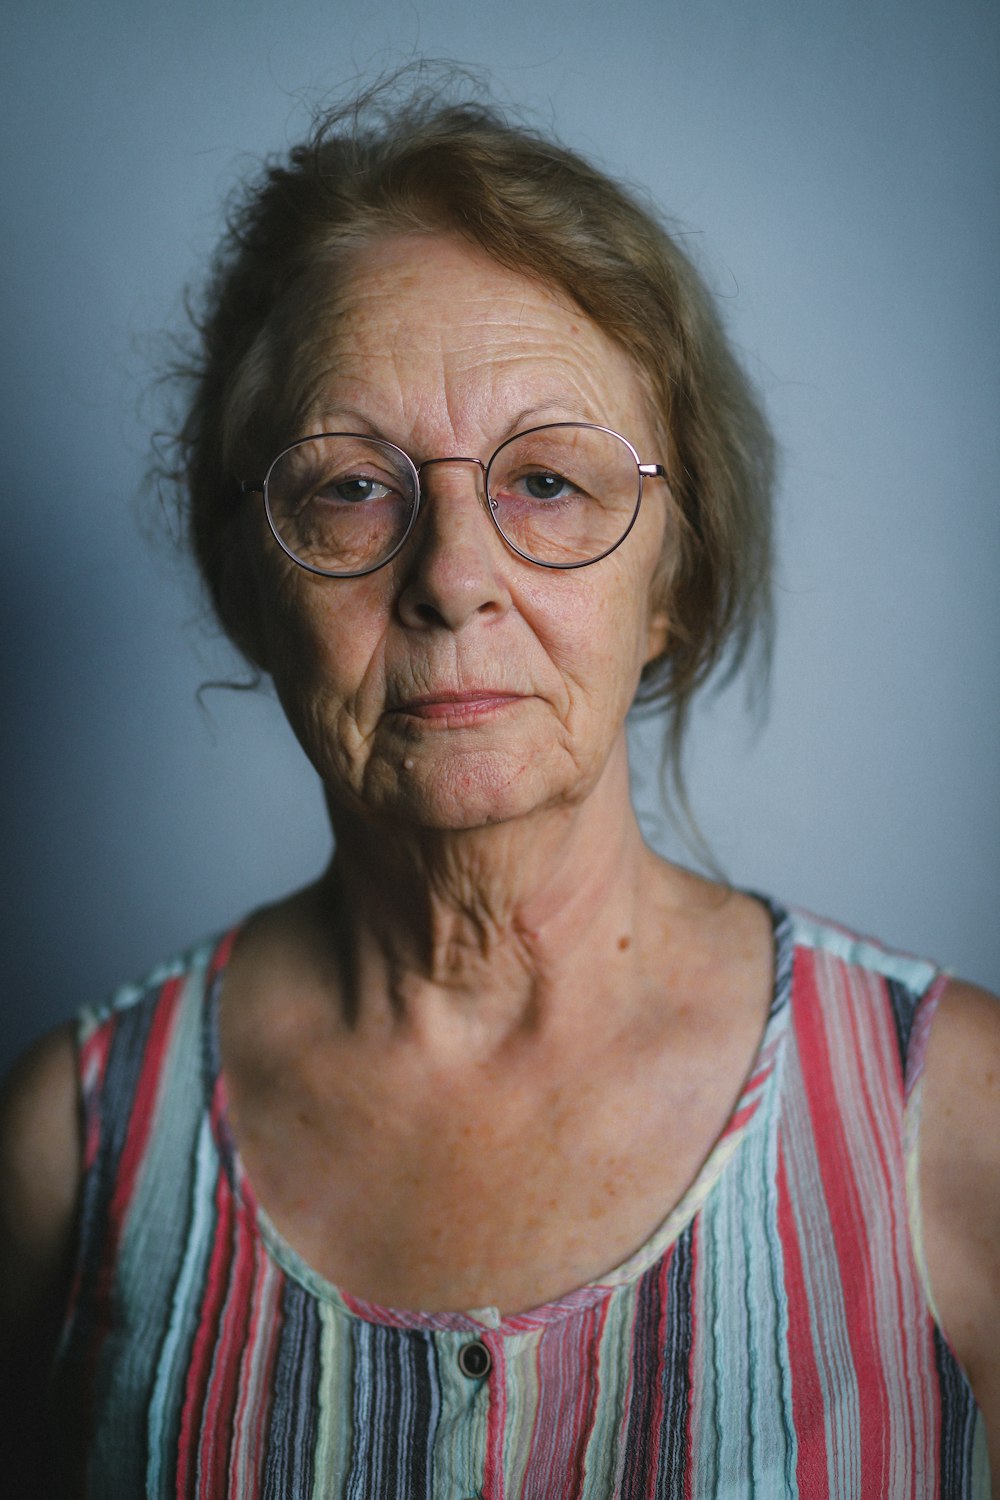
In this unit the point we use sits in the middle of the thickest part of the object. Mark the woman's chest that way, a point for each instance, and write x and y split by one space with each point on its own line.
481 1195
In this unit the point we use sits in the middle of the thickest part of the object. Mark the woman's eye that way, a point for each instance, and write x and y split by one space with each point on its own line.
353 489
546 485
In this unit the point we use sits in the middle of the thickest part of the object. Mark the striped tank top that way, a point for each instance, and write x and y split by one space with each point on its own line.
773 1338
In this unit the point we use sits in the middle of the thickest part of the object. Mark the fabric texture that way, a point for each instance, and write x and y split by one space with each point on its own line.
773 1338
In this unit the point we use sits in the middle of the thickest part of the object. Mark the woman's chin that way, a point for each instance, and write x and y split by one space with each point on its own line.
460 792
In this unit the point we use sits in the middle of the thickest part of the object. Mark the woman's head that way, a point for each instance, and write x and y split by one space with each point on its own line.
369 175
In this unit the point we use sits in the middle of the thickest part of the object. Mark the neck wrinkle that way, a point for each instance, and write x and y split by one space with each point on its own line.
498 927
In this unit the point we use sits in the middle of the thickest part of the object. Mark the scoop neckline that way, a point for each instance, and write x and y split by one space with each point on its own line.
744 1112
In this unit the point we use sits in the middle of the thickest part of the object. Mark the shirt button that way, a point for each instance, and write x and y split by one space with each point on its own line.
475 1360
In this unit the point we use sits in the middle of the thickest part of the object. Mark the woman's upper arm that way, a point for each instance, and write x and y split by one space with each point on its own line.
960 1187
40 1174
40 1164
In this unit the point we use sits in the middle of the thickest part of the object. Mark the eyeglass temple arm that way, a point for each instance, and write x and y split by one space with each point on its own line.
652 471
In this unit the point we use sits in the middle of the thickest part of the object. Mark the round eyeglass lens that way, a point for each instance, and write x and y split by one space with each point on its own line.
341 504
566 494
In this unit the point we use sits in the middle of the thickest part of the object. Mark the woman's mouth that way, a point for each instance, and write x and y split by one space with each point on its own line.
461 707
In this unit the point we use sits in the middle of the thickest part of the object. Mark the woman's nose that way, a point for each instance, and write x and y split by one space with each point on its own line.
455 561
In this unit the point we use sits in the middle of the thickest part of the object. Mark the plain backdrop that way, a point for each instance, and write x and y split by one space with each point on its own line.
833 169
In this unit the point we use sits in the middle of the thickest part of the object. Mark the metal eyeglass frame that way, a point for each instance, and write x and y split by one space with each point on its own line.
643 472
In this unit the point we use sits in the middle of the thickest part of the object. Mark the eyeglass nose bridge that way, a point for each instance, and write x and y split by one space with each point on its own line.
430 463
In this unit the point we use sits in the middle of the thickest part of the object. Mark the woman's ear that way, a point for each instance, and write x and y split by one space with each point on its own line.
657 635
663 583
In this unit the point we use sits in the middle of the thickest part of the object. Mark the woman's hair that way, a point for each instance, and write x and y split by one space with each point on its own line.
378 167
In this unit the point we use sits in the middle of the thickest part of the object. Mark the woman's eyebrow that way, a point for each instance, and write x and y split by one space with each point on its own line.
547 411
333 417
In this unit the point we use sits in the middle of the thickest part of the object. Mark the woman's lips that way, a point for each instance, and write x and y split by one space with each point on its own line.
465 706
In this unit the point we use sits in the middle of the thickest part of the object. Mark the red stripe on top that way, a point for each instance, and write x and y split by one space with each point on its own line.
694 1355
847 1204
740 1118
221 1392
256 1370
221 956
496 1421
811 1469
751 1094
146 1097
203 1347
566 1361
921 1391
659 1403
594 1400
93 1064
94 1057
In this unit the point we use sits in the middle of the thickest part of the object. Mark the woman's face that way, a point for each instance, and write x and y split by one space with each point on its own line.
460 684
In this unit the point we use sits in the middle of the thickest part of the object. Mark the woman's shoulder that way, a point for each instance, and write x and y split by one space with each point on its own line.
51 1105
960 1111
963 1060
45 1104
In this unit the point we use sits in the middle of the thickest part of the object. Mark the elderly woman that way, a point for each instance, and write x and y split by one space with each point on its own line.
507 1159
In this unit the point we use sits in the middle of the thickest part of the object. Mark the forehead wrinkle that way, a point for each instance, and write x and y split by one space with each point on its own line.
454 361
461 383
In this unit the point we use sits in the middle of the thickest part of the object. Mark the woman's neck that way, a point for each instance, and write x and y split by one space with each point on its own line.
478 936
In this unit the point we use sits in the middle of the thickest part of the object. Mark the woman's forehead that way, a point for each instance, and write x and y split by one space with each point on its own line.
420 316
440 292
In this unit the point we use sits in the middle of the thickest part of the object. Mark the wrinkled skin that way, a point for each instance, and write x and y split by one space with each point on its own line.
443 352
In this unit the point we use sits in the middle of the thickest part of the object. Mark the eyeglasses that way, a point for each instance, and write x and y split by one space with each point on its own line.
565 495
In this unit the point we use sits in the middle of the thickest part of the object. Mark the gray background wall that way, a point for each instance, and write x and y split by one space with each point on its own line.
835 169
